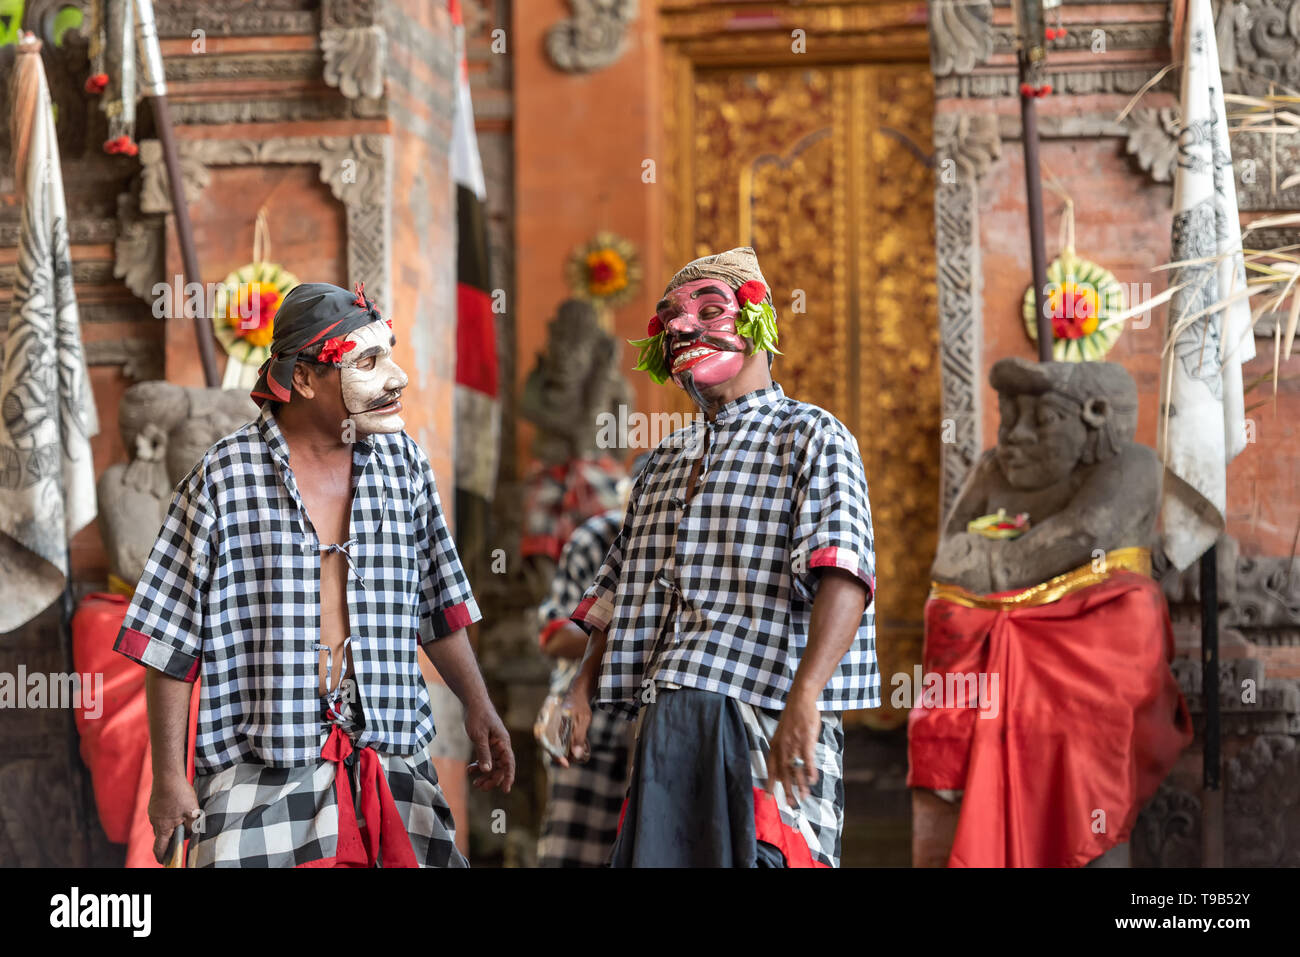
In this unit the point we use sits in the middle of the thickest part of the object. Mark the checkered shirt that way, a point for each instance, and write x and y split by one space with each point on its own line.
583 800
717 593
579 563
231 591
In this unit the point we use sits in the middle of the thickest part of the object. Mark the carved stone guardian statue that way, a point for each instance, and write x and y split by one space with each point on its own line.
1047 713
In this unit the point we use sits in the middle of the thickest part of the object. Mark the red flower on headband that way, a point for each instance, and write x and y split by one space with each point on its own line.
334 349
361 295
655 327
752 291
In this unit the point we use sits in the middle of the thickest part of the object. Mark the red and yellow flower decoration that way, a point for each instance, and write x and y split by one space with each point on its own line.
1081 299
244 310
606 271
999 526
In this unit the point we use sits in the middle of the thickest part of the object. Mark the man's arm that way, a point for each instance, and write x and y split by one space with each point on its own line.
837 611
569 641
577 703
455 661
172 801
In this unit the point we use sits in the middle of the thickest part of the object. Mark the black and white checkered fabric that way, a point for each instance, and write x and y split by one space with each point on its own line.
257 816
583 800
231 590
579 562
819 818
717 594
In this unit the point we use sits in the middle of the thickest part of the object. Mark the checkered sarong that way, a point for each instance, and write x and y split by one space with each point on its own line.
819 818
581 818
259 816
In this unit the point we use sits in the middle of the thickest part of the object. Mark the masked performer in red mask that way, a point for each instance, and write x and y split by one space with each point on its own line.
302 564
733 614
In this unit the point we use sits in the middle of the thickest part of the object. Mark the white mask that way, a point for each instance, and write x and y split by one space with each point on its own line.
372 382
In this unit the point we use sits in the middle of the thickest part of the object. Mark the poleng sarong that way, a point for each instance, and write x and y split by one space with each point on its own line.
353 808
697 796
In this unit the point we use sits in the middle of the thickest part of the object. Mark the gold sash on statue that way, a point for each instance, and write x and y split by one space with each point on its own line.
120 586
1054 589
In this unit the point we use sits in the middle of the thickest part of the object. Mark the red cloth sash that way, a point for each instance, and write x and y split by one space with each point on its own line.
1087 721
384 834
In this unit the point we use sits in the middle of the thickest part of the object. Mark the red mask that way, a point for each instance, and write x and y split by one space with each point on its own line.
703 347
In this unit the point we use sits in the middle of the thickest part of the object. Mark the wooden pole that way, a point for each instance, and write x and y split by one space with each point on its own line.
1212 796
155 87
1031 58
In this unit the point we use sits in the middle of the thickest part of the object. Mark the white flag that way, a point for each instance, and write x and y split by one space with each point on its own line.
1202 409
47 411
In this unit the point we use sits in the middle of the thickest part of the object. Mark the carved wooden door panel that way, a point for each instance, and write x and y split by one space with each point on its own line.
825 171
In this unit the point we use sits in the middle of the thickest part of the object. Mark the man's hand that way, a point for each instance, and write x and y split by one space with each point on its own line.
172 803
577 710
496 761
796 736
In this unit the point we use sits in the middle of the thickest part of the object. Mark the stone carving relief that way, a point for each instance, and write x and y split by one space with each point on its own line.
965 147
1259 43
593 38
1168 831
138 249
1261 810
961 35
354 60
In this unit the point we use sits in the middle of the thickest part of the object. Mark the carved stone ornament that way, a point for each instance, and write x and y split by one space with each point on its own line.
1262 804
972 140
1259 43
1153 141
961 35
593 38
155 193
965 147
354 60
138 248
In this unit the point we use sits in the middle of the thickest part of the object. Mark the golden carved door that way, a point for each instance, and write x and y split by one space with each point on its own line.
824 169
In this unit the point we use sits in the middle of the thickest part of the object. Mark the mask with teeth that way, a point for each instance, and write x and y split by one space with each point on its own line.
703 348
372 381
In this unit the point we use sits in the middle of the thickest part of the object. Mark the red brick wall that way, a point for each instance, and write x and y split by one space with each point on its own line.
581 140
1122 222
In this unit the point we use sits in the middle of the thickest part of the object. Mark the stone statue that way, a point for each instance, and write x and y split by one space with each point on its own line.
574 385
166 429
575 380
1041 520
1065 458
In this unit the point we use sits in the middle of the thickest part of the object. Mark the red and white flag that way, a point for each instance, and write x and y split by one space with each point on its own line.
478 409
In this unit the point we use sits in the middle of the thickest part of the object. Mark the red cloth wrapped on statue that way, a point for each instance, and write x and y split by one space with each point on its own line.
1070 723
115 745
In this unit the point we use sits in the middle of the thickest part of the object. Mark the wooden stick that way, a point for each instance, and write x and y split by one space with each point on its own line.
1030 59
155 88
